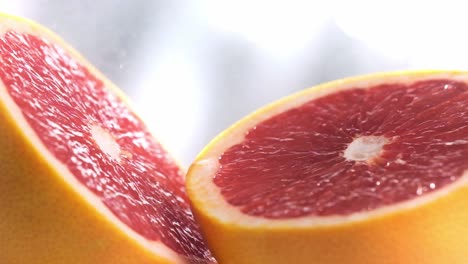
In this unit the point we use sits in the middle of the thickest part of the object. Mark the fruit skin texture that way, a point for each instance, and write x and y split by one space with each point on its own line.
434 232
42 218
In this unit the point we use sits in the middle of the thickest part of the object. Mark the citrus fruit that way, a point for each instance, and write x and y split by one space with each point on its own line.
81 178
360 171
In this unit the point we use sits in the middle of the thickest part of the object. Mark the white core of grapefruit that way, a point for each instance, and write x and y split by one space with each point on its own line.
365 148
106 142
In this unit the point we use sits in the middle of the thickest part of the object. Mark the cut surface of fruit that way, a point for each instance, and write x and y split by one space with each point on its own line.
325 143
102 152
346 164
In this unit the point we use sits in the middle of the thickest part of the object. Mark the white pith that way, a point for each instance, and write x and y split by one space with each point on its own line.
158 248
365 148
207 197
105 141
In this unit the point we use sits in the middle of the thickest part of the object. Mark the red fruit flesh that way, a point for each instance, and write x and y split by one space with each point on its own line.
65 104
296 163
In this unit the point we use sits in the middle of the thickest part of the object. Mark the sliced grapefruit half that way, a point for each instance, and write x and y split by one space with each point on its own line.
81 178
359 171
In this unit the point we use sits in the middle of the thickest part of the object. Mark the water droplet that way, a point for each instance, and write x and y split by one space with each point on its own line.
377 183
419 191
432 186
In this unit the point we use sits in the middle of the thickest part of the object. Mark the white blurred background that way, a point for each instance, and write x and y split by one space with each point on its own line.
192 68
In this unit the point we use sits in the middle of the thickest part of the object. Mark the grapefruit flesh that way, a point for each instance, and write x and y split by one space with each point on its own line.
295 164
104 145
364 170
